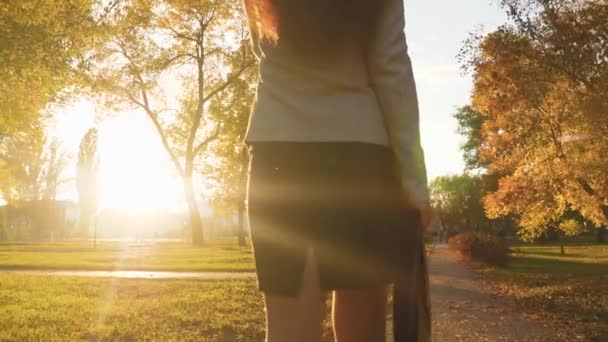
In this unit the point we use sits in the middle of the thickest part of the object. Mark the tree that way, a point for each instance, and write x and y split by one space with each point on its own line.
542 84
228 166
42 42
204 42
470 122
22 157
458 202
31 173
87 182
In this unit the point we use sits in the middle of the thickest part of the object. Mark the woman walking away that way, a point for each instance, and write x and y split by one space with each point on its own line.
337 193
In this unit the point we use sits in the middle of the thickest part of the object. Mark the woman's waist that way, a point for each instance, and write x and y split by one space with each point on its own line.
281 122
349 74
316 114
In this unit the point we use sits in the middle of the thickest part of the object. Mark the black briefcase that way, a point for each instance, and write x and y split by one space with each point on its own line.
411 299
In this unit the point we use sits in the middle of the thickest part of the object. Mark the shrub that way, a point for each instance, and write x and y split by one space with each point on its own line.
481 247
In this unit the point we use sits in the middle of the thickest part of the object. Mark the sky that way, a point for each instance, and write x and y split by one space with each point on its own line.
137 174
436 31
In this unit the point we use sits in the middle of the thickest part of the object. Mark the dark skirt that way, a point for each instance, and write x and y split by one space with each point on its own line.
342 199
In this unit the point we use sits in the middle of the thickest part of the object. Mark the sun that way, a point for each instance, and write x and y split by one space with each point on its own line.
136 173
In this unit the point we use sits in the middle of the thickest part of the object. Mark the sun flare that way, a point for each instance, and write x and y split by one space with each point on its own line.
135 171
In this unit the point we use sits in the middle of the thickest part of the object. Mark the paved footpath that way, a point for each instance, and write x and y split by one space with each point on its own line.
463 310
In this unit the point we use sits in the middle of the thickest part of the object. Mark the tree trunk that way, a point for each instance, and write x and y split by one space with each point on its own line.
196 224
241 232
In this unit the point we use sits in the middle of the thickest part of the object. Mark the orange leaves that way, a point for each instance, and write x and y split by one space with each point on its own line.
541 85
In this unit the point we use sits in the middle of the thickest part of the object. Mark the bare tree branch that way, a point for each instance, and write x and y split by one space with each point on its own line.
228 82
174 59
151 114
176 33
207 140
107 12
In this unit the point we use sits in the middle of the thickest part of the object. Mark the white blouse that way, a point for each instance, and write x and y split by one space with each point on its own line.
370 100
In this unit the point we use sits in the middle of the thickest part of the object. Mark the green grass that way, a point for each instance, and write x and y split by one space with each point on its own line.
218 256
47 308
180 257
569 290
102 309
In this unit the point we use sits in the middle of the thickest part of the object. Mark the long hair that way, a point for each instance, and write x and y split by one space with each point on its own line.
314 29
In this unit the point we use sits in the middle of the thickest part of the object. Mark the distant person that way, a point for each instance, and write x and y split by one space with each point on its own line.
337 194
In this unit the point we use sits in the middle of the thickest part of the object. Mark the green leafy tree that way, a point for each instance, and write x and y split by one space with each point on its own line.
87 182
22 158
470 122
42 43
32 170
542 83
228 164
458 202
204 42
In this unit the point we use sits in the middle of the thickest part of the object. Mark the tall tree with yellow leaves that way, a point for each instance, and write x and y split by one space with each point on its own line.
542 83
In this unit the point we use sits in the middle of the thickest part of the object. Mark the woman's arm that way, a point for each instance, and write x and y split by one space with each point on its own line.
392 79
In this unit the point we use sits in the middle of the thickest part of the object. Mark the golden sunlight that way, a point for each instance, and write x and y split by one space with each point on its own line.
135 172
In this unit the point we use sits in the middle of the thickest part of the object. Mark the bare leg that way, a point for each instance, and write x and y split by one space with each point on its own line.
297 319
360 316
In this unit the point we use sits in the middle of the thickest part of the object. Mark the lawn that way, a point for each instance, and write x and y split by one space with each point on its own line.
569 290
215 256
179 257
47 308
101 309
53 308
